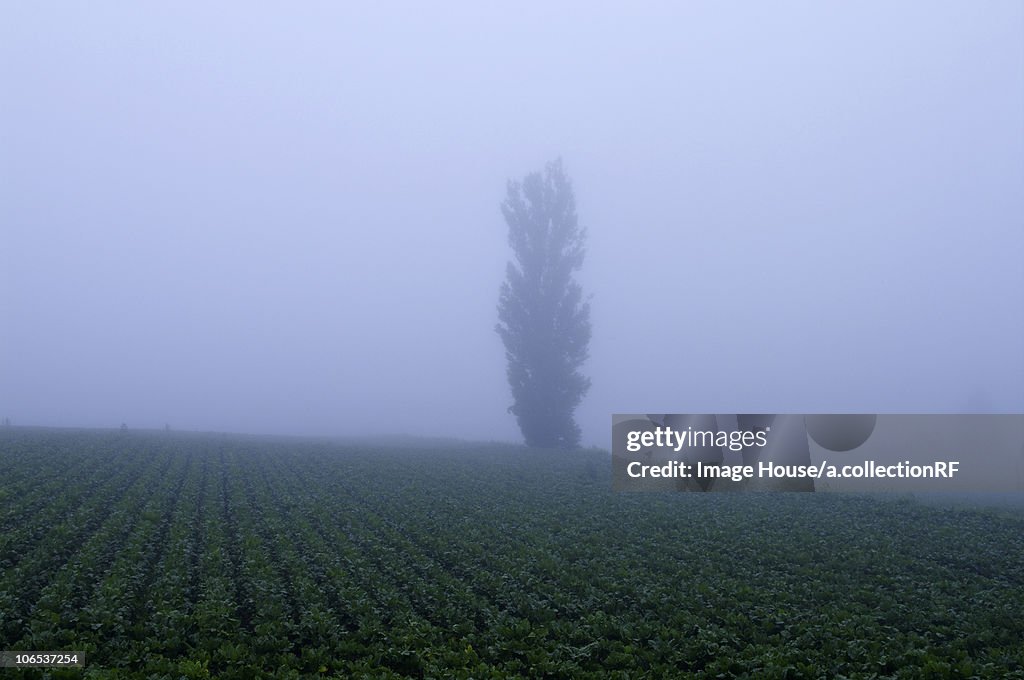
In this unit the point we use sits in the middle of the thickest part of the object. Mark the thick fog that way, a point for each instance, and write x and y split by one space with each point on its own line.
285 219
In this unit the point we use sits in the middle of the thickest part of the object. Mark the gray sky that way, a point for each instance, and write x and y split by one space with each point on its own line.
276 219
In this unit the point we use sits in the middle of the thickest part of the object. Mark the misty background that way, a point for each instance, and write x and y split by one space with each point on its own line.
270 220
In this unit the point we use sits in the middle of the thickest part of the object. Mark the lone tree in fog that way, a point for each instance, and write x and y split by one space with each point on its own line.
542 318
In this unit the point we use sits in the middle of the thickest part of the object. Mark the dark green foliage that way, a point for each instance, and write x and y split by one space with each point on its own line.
175 555
542 318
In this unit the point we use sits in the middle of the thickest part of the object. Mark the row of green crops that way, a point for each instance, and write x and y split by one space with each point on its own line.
175 555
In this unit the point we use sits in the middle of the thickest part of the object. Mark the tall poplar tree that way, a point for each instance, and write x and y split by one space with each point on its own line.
542 317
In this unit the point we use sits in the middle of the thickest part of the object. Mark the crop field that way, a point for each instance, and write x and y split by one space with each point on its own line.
168 555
